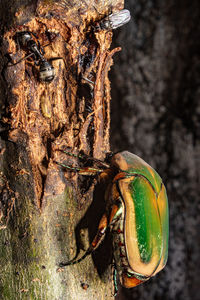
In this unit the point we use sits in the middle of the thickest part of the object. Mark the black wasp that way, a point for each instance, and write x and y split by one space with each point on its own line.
27 42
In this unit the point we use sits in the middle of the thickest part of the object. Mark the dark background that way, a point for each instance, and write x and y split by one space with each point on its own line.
156 115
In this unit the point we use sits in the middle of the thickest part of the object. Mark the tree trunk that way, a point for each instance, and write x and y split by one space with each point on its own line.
49 215
155 114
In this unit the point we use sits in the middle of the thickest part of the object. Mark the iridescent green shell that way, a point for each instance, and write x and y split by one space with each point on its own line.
145 217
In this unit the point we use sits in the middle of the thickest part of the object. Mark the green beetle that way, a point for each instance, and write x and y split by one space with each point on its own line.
137 214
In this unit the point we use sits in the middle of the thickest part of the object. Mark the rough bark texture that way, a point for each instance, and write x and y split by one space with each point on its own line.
156 115
48 214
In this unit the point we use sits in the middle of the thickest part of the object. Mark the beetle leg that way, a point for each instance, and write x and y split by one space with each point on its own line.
100 233
115 203
103 225
115 214
95 243
115 280
82 171
87 157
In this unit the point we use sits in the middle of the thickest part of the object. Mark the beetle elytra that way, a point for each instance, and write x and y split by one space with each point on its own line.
137 215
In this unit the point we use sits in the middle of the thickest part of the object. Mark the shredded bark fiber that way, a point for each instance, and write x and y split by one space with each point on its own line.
73 111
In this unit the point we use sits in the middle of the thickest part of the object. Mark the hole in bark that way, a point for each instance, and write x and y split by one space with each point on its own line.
87 59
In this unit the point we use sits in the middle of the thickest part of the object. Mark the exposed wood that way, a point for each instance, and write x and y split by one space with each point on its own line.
45 210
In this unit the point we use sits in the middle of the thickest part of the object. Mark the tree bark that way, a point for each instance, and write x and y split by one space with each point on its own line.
49 215
155 83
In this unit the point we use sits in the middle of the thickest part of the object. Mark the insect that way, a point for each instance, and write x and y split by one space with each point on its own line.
136 214
46 70
114 20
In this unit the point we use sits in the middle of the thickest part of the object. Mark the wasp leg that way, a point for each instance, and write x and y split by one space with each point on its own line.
88 80
55 58
24 58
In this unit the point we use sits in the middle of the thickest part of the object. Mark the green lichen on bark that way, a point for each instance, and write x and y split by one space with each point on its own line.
30 251
43 206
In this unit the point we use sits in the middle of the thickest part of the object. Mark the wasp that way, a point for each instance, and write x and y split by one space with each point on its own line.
26 41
